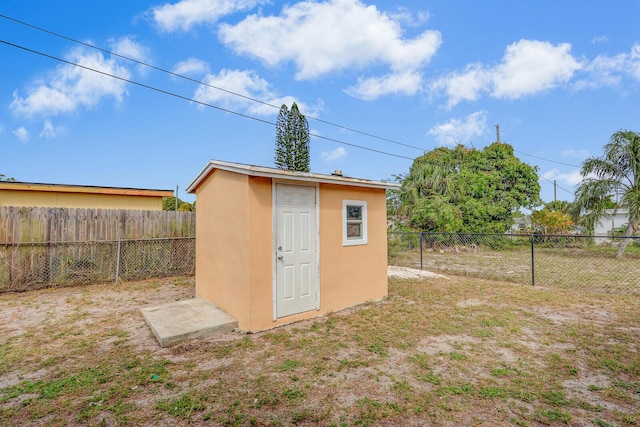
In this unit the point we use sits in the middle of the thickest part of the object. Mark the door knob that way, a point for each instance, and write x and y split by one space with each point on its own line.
280 257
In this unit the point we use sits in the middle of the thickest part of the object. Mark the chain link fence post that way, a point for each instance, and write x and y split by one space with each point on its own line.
420 239
118 261
533 266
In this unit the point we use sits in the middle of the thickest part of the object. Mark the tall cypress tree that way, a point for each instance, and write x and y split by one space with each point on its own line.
292 140
284 145
300 131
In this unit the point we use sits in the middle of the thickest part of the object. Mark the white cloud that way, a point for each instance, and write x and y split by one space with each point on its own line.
580 154
457 131
48 130
406 83
607 70
571 178
530 66
405 16
191 67
634 59
527 67
599 39
331 156
249 85
69 88
467 85
184 14
22 134
129 47
333 36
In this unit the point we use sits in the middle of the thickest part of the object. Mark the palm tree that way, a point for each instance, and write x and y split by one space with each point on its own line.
616 172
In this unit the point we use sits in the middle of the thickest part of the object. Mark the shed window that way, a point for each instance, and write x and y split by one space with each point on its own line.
354 222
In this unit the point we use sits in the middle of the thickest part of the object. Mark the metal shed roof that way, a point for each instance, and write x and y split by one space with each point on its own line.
266 172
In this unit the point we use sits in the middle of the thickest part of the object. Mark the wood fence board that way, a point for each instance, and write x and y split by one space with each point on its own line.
23 225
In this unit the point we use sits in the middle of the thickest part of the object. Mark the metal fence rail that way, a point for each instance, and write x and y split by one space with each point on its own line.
28 266
572 262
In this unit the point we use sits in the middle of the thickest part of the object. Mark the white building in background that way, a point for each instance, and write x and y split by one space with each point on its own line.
520 224
615 219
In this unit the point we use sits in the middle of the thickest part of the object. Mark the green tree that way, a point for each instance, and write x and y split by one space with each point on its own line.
3 177
292 140
169 204
551 222
559 206
615 172
464 189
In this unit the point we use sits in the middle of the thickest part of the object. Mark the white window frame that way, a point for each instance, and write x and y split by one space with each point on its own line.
351 241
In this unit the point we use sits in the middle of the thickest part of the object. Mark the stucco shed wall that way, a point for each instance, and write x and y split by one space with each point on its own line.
234 249
223 243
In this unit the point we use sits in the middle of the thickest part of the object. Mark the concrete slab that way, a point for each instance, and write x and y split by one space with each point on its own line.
182 320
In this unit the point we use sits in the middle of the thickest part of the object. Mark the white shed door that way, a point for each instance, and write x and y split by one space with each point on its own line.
296 283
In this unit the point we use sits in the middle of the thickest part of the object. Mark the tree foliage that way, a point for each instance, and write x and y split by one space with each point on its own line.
3 177
169 204
559 206
547 221
292 140
467 190
617 171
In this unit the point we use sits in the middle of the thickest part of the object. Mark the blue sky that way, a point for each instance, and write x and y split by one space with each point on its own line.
559 77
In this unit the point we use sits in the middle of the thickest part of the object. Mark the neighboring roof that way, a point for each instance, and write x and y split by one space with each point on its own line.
265 172
88 189
617 211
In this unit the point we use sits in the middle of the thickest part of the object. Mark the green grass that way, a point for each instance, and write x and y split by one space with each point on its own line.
525 356
592 268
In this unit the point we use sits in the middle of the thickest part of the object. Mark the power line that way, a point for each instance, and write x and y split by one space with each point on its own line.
172 73
166 92
546 160
555 184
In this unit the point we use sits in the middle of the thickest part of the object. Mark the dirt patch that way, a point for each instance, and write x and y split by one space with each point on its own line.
411 273
435 352
446 344
470 303
555 315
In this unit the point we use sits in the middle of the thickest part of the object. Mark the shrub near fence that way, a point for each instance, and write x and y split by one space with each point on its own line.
50 247
576 262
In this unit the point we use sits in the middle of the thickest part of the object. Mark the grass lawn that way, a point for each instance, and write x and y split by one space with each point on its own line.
585 268
437 351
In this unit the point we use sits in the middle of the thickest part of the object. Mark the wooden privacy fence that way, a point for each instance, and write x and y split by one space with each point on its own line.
35 225
51 247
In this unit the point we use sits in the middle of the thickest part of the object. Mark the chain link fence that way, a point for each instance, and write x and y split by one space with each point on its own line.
572 262
28 266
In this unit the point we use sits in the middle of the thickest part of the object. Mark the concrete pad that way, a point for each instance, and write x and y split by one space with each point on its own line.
182 320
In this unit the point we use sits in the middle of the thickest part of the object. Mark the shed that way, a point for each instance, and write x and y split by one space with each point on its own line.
274 246
32 194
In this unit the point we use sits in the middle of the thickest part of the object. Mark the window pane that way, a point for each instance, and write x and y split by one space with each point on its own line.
354 230
354 212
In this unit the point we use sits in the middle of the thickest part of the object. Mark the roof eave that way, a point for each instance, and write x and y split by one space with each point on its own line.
264 172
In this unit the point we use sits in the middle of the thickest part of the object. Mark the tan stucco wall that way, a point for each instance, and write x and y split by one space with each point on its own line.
223 243
261 253
349 275
52 199
352 274
234 249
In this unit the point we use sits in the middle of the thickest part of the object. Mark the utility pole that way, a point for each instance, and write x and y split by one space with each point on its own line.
554 190
176 198
498 133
